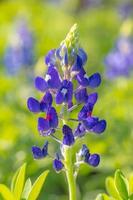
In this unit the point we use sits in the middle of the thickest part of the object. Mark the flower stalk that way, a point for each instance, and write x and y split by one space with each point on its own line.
70 173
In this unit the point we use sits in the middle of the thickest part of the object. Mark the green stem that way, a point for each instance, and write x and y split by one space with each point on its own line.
70 173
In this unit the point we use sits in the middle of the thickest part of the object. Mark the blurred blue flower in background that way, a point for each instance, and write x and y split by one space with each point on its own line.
119 61
19 52
125 9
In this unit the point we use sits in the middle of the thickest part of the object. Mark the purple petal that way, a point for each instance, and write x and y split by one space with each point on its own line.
99 127
94 160
39 153
48 99
94 80
79 131
82 78
52 117
33 105
84 151
82 55
43 124
78 64
90 122
57 165
52 78
40 84
50 59
69 92
92 98
81 95
68 138
59 97
85 111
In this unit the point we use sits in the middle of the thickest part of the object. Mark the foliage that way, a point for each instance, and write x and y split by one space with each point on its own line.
21 189
118 188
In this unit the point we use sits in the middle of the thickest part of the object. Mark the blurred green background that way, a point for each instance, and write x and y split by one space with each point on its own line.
99 26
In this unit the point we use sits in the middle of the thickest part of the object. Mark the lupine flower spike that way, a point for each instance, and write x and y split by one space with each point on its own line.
65 85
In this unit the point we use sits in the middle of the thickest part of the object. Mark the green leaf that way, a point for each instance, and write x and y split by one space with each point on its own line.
121 184
131 184
6 193
131 197
111 188
37 186
19 184
103 197
14 180
27 189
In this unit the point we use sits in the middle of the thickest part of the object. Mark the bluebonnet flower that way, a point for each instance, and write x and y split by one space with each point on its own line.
85 155
57 163
39 153
119 62
64 84
19 53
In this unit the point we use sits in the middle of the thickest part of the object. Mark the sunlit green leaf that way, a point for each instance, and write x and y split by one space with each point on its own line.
27 189
6 193
131 184
19 184
121 184
104 197
111 188
37 186
14 180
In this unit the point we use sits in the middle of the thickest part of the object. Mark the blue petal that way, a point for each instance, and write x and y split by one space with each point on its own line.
85 111
53 121
82 55
84 151
40 84
94 80
33 105
82 78
53 81
68 97
59 97
92 98
99 127
43 106
48 132
37 152
78 64
94 160
81 95
45 149
43 124
79 131
90 122
50 59
57 165
48 99
68 138
65 92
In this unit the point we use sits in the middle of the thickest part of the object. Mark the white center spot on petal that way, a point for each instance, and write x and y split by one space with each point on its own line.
48 77
85 76
64 91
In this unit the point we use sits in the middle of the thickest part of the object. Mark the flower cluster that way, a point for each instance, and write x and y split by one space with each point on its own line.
19 53
119 62
65 89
